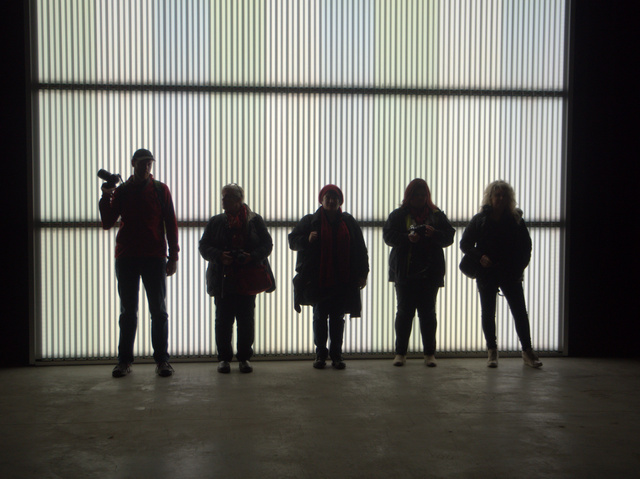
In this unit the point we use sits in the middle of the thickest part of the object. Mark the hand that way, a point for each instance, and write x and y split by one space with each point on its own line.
172 267
226 258
414 237
107 191
429 230
313 237
486 262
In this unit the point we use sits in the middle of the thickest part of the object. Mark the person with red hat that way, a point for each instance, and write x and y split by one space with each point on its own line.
417 232
332 267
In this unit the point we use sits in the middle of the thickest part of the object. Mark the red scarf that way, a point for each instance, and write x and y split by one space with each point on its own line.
237 223
332 252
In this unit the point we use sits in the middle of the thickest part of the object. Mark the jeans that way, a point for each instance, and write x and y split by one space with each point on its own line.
420 295
154 278
230 308
513 292
331 307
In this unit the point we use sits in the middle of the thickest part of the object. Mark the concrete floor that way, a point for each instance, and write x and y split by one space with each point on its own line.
577 418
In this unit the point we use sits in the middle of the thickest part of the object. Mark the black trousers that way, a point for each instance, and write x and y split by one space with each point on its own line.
230 308
512 289
411 296
153 272
331 307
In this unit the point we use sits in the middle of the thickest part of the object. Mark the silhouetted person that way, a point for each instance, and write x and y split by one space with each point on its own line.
147 224
236 244
498 239
332 267
417 233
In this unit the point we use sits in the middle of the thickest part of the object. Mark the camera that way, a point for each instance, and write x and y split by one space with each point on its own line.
238 256
418 229
111 179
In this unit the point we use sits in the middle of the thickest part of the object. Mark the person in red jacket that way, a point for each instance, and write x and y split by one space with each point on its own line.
147 224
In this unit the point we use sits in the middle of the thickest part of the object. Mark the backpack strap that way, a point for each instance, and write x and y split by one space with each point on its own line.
160 193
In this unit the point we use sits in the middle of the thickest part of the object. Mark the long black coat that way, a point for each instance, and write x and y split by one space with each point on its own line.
217 238
507 243
305 284
423 260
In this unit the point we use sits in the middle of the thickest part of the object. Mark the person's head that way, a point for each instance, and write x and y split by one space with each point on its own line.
142 161
501 197
232 197
417 195
331 198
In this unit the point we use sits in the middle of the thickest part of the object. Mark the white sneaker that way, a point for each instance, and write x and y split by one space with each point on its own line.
430 360
531 358
492 361
399 360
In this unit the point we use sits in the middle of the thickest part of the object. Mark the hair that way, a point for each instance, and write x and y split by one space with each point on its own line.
509 193
411 189
235 189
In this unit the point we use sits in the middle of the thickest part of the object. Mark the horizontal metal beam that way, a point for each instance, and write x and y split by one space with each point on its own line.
274 224
305 90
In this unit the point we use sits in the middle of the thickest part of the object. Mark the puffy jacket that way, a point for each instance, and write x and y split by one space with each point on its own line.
217 238
421 260
506 242
305 283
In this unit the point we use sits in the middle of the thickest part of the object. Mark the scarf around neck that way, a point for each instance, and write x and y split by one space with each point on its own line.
334 252
237 224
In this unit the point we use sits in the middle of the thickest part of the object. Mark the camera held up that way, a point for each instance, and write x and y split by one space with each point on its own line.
418 229
111 179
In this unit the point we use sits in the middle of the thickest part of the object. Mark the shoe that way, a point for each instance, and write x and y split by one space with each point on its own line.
430 360
164 369
492 360
224 367
338 364
245 367
319 363
531 358
399 360
121 370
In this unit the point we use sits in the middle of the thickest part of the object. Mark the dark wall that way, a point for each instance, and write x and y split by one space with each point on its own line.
14 313
602 297
604 313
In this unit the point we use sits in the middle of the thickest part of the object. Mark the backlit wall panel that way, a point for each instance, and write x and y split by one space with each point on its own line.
283 97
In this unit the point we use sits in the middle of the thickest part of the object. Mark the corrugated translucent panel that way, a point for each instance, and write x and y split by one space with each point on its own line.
283 97
449 44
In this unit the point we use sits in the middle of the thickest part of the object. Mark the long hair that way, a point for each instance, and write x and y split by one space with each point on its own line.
412 187
508 192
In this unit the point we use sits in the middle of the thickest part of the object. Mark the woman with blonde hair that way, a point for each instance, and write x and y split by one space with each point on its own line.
498 238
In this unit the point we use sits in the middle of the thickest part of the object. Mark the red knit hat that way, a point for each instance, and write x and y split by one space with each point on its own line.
329 188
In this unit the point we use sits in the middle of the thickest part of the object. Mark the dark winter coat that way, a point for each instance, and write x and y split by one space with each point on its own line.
423 260
217 238
506 242
306 290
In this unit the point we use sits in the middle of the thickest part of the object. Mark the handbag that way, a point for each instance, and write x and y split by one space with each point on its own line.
470 266
252 279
